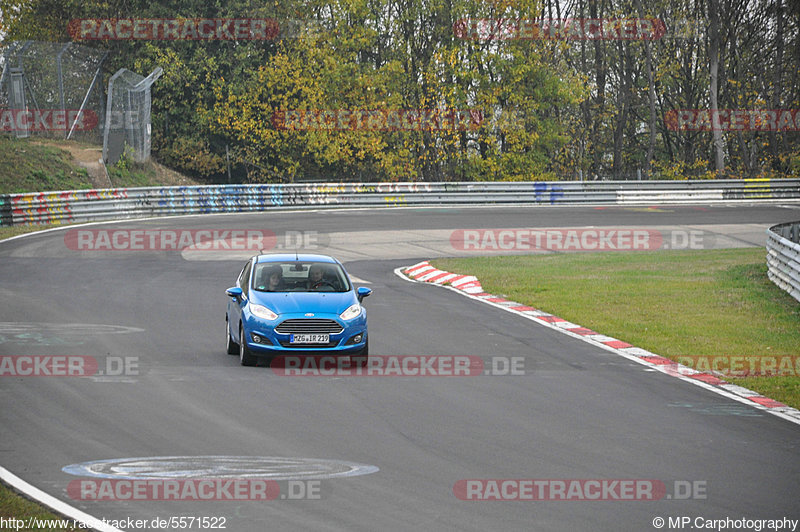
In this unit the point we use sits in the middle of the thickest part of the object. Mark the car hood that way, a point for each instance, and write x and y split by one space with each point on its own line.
297 302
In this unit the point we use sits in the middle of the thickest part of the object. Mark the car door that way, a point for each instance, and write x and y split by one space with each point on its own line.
235 307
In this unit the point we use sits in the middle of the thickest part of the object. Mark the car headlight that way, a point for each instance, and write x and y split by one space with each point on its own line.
352 312
263 312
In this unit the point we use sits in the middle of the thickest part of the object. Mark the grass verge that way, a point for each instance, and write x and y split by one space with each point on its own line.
13 505
42 164
15 230
37 166
707 303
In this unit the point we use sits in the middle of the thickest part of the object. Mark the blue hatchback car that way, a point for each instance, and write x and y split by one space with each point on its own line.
288 304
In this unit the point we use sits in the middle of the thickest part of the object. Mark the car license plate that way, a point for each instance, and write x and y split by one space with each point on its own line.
309 338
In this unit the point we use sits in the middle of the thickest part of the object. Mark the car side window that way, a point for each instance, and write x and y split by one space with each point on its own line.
244 279
241 275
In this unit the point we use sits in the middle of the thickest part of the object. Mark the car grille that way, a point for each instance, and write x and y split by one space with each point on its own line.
332 343
309 325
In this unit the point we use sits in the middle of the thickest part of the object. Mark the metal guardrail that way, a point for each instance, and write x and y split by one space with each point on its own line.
783 257
108 204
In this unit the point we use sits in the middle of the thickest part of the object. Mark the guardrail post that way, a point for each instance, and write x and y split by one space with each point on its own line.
5 210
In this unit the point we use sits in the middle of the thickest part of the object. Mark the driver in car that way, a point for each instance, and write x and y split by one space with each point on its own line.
316 277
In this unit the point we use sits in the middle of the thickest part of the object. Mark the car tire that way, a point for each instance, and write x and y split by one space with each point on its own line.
232 347
245 357
360 359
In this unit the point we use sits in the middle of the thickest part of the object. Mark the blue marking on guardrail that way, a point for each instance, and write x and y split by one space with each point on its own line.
556 193
540 189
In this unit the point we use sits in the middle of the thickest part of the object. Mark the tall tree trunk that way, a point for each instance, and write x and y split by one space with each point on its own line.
623 105
651 99
713 66
598 146
777 79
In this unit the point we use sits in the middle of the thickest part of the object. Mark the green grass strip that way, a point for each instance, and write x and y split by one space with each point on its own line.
706 303
14 506
16 230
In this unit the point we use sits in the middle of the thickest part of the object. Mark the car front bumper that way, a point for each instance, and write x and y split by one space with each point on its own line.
263 339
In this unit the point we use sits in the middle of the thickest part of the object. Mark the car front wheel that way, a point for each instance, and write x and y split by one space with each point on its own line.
245 357
233 348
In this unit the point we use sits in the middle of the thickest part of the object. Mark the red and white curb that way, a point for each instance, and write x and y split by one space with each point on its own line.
470 286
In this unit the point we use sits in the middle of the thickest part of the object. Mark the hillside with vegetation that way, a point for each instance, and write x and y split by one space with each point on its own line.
555 103
40 165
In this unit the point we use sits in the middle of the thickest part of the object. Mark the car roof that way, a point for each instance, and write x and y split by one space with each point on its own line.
291 257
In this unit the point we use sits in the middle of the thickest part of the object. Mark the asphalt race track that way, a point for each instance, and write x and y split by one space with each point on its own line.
577 412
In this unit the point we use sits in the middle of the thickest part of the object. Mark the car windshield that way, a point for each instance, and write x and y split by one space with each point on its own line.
299 277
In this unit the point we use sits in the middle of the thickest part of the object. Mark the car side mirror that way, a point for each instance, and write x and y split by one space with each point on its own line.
235 292
363 292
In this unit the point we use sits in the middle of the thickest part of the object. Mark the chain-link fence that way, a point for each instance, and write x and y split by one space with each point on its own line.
51 89
56 90
128 115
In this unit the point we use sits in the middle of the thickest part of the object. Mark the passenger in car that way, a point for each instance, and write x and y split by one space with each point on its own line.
273 279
